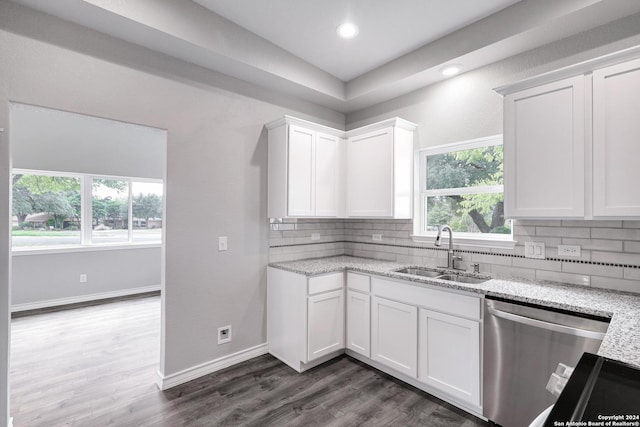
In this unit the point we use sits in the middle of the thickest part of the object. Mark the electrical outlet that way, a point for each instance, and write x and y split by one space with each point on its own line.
377 237
315 236
569 250
224 334
222 243
83 278
534 250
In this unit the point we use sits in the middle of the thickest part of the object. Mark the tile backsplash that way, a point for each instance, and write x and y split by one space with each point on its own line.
610 250
291 239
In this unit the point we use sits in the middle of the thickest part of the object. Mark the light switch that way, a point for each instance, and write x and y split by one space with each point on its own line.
222 243
534 250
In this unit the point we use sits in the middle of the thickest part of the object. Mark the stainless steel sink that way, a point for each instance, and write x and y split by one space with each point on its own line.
439 274
424 272
462 279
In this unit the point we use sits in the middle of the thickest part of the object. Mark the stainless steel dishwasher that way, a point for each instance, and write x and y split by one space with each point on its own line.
523 345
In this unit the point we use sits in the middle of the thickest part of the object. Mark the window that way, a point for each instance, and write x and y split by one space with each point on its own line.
147 211
50 210
461 185
109 211
46 210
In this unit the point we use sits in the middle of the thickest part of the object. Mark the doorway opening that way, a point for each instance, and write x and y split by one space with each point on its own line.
87 258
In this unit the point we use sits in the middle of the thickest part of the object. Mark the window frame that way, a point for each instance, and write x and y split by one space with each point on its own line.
420 234
86 215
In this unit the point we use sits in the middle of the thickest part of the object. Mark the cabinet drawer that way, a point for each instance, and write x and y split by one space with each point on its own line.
359 282
442 301
328 282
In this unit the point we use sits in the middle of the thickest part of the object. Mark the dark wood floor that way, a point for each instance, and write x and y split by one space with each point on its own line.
94 366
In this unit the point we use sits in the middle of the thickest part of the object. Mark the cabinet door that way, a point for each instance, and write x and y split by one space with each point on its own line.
327 164
394 335
370 174
359 323
544 151
449 355
325 324
616 140
301 166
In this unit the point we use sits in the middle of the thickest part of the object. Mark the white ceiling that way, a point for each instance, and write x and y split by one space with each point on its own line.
290 46
388 28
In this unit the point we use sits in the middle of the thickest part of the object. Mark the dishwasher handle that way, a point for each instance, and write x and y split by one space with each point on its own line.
547 325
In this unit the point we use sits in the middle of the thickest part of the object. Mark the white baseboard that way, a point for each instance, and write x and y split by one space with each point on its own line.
166 382
82 298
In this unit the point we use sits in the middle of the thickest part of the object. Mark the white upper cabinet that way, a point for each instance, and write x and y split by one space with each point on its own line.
544 151
379 170
616 140
311 167
313 173
571 146
370 174
305 170
328 188
301 165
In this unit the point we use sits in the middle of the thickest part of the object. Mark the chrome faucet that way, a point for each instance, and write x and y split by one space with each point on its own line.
451 257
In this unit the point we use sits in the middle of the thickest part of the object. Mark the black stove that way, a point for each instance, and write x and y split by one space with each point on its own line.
600 392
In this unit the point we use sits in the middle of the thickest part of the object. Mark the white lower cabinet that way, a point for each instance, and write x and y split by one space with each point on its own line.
394 335
325 327
359 322
305 317
449 355
429 337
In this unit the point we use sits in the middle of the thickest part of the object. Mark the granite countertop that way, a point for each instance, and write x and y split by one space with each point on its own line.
622 341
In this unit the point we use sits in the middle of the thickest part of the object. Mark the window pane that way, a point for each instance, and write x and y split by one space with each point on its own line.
469 213
147 212
465 168
46 211
110 211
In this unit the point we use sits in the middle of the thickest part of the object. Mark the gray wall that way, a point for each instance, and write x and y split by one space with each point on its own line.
216 169
54 140
51 279
466 107
5 262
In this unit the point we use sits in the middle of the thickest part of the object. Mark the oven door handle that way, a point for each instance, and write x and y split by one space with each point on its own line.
547 325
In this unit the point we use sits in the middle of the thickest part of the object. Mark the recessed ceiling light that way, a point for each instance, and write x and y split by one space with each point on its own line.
347 30
450 70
